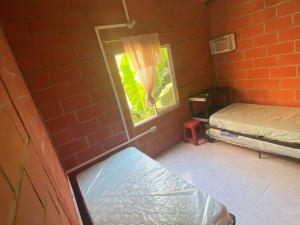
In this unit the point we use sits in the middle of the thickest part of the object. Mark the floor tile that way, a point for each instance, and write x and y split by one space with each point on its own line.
258 191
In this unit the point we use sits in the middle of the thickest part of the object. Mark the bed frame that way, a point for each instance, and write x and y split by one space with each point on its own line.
260 138
254 137
273 129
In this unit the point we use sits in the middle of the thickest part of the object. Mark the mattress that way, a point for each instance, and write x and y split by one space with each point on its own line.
271 122
131 188
253 143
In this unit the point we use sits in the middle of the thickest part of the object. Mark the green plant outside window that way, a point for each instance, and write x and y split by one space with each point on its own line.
164 91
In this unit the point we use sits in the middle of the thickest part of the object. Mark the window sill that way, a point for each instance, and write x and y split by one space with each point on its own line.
156 116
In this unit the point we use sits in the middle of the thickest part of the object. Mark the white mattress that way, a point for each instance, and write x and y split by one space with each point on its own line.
272 122
253 143
131 188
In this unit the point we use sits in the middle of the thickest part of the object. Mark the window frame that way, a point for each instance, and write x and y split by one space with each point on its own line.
174 82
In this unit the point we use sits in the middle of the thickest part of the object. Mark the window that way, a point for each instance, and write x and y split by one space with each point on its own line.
165 91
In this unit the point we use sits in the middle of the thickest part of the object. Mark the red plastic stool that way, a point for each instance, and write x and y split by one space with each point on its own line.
192 125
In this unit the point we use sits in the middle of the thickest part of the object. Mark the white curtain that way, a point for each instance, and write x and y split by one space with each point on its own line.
144 54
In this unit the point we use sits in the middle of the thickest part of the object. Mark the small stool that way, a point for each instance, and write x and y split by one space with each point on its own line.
192 125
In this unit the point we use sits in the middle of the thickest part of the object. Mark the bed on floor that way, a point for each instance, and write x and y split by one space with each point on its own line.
273 129
131 188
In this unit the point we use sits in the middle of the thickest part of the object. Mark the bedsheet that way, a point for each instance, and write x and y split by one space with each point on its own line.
131 188
272 122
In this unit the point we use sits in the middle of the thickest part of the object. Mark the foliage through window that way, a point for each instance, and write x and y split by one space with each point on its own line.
164 93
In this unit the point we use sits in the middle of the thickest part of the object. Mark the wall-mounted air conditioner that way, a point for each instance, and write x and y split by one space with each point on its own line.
225 43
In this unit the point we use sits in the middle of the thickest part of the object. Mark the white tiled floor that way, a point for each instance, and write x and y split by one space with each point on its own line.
258 191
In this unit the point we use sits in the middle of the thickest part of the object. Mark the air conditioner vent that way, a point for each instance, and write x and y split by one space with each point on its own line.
225 43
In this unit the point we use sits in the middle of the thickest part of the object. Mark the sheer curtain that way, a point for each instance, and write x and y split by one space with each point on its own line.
144 54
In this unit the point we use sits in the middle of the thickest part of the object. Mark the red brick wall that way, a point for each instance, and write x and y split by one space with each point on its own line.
33 187
57 50
265 67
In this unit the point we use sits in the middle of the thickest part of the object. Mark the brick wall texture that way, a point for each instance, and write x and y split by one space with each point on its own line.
55 46
57 50
33 187
265 68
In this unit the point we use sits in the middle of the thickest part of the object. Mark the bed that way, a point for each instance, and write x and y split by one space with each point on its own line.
131 188
273 129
